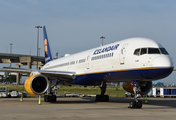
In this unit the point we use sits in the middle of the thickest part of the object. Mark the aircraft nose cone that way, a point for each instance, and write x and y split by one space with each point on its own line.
162 61
163 66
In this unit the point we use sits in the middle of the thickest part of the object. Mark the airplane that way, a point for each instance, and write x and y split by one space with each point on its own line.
135 61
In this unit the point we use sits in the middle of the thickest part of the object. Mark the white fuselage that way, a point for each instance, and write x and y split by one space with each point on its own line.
115 57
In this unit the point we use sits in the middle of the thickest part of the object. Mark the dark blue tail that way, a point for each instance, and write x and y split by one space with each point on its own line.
48 56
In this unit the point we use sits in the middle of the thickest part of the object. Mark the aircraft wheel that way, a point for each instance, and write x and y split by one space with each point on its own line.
106 98
46 98
102 98
53 98
98 98
132 104
139 104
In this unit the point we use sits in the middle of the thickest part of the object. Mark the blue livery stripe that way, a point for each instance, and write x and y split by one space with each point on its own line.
126 76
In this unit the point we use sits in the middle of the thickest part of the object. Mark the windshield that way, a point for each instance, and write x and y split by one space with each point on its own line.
141 51
163 51
153 51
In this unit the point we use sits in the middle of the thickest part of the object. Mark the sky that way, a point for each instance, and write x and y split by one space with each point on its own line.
77 25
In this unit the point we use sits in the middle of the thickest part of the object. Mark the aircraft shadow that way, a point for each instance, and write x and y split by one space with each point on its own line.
161 102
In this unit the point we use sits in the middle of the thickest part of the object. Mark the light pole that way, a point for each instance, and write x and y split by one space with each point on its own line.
57 55
102 37
10 60
37 41
39 51
10 51
11 48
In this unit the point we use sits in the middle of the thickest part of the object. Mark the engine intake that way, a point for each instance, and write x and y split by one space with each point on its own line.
145 87
36 84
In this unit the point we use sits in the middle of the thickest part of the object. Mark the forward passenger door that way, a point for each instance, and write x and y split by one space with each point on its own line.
122 54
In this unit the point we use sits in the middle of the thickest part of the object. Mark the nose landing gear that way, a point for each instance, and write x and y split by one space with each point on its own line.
135 103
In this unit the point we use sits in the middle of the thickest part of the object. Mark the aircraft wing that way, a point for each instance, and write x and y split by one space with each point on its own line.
59 74
64 75
16 70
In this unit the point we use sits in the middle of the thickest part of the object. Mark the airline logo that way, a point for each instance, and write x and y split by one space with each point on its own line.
48 58
106 49
46 47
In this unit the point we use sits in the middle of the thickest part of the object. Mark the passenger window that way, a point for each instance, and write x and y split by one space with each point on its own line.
153 51
136 52
102 56
143 51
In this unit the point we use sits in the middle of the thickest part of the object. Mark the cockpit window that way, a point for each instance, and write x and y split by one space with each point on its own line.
153 51
163 51
143 51
136 52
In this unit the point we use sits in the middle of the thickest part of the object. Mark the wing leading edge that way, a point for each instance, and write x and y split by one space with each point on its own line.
64 75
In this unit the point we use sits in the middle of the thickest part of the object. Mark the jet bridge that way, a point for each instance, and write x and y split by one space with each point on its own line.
21 60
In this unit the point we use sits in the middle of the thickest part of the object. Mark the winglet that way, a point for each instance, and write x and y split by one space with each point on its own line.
48 56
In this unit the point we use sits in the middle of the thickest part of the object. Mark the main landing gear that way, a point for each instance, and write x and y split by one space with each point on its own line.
102 97
51 94
135 103
50 98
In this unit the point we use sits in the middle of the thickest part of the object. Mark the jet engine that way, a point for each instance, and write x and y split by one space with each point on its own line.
36 84
144 87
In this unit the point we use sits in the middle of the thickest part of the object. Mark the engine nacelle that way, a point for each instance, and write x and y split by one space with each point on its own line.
36 84
145 87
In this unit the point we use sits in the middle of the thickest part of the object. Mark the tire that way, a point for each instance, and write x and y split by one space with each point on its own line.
106 98
139 104
132 104
53 98
102 98
46 98
97 98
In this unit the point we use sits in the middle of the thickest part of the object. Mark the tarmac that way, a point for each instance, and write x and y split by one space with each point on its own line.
86 109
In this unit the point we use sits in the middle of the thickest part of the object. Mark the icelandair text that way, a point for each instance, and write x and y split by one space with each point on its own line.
107 49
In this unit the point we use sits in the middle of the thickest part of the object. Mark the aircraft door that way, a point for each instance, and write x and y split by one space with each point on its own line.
69 67
88 57
88 60
122 54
